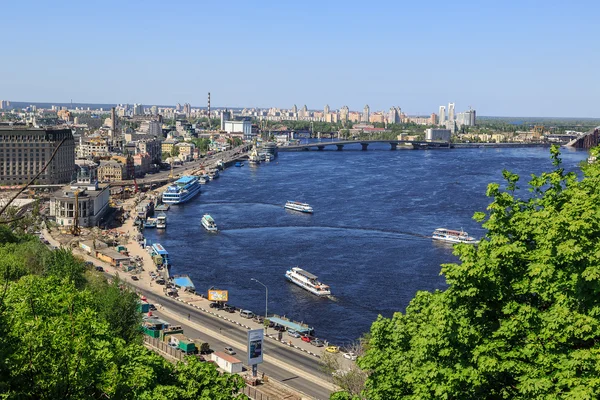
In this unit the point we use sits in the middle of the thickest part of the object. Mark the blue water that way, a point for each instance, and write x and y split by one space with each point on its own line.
367 238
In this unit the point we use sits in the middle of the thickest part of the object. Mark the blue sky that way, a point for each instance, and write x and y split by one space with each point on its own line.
517 58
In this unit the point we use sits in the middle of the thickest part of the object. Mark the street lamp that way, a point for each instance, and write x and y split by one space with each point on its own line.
266 295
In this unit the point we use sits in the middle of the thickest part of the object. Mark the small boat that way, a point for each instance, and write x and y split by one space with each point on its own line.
239 164
296 206
220 164
209 223
254 157
150 223
161 221
268 157
162 207
203 179
213 174
452 236
307 281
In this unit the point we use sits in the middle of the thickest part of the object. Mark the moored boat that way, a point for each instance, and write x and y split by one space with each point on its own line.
161 221
182 190
254 157
213 174
307 281
150 223
239 164
162 207
209 223
453 236
203 179
297 206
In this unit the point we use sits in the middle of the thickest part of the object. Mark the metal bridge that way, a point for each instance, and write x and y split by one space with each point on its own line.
586 141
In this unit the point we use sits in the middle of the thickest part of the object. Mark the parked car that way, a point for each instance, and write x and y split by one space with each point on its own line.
152 307
214 305
135 278
306 339
99 268
317 342
160 281
350 356
258 318
229 350
293 333
229 308
271 324
332 349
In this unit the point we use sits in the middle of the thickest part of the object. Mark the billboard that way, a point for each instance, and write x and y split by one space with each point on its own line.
255 346
218 295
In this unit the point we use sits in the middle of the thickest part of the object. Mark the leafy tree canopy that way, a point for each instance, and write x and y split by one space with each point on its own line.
520 319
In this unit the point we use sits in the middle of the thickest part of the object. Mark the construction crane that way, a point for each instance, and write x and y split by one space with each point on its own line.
75 229
136 186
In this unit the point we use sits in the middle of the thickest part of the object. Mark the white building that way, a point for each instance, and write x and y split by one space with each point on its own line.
437 135
451 112
244 127
442 115
226 362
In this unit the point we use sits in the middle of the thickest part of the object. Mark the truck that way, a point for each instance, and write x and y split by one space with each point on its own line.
183 343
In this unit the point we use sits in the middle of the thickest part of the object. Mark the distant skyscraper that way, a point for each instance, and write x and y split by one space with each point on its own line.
451 114
394 115
295 109
187 109
366 113
472 118
442 114
178 107
138 109
326 110
344 113
154 110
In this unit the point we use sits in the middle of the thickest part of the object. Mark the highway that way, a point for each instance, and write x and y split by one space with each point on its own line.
307 364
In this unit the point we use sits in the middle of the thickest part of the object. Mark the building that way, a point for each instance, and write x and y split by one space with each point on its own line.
152 147
344 114
142 163
437 135
226 362
186 151
91 199
167 146
92 147
244 127
432 119
366 114
442 116
24 151
451 112
111 171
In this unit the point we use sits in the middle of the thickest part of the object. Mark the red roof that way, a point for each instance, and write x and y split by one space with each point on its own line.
226 357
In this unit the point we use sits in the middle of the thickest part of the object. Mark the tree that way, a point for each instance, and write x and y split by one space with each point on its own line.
520 316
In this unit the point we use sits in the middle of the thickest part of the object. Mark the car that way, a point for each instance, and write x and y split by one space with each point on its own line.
89 264
135 278
306 339
258 319
173 345
160 281
214 305
229 350
152 307
317 343
271 324
350 356
293 333
332 349
99 268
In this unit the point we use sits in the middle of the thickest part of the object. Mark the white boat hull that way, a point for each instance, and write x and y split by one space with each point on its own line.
304 286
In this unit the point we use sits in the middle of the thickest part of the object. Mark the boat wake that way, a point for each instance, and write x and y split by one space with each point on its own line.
218 203
394 233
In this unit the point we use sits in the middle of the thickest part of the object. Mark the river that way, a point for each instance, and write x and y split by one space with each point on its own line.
367 238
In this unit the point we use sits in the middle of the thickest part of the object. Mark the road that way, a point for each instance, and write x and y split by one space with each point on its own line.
307 364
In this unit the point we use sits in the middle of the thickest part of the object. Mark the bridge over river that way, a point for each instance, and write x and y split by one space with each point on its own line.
365 144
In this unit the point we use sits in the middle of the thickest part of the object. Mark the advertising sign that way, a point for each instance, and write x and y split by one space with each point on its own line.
255 346
218 295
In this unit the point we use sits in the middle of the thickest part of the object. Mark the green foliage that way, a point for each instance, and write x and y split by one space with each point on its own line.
202 144
520 318
67 334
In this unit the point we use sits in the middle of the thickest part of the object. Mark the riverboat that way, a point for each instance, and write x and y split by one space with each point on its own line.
159 250
220 164
161 221
452 236
183 190
296 206
307 281
150 223
254 157
162 207
213 174
209 223
239 164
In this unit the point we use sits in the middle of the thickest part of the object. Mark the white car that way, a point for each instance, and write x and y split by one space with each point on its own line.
229 350
350 356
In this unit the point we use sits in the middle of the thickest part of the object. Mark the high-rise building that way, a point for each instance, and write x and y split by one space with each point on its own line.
344 112
326 110
295 109
187 109
472 117
25 151
178 107
451 112
154 110
442 116
366 113
432 119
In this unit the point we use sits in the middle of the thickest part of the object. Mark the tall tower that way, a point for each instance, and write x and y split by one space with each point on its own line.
113 126
451 115
326 110
209 111
366 114
442 115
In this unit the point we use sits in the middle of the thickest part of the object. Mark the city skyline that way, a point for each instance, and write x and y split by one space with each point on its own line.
497 61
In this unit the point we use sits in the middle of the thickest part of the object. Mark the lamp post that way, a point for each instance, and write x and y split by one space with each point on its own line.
266 295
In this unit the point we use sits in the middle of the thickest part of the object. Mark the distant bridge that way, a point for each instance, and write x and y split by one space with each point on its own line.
365 144
586 141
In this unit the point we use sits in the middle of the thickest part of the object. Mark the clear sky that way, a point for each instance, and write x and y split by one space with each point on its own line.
503 58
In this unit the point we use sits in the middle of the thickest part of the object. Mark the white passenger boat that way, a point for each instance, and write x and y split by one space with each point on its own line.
253 157
307 281
296 206
182 190
161 221
452 236
213 174
209 223
203 179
